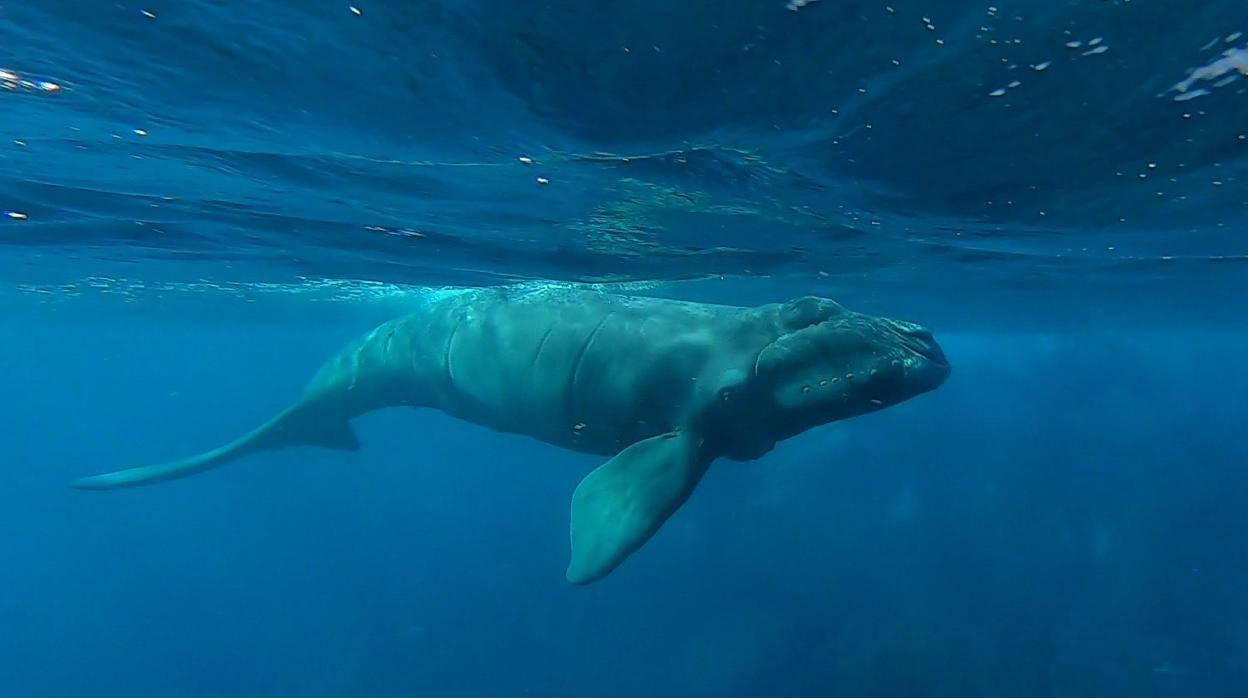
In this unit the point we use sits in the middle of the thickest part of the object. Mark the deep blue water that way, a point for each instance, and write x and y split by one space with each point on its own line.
203 200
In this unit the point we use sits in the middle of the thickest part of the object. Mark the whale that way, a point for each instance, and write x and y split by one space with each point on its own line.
661 388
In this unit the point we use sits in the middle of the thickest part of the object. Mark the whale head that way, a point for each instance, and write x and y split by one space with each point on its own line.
826 364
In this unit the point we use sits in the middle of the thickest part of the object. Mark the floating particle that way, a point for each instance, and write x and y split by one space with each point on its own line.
1014 84
1233 37
543 180
355 10
1184 96
1212 42
1098 49
1074 44
795 5
140 132
1041 66
1094 42
525 160
1000 91
47 86
149 14
16 215
22 144
1227 80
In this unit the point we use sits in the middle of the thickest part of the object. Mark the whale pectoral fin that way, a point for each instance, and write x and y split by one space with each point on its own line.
622 503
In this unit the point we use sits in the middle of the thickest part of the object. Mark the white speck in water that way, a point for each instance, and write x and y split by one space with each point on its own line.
140 132
149 14
16 215
1000 91
1233 37
1074 44
1014 84
1041 66
1095 41
1095 51
525 160
543 180
355 10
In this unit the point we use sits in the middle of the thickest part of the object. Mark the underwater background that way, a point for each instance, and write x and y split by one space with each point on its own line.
201 201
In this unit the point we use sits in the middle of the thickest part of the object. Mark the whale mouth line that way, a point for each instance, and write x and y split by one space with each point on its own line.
932 354
759 356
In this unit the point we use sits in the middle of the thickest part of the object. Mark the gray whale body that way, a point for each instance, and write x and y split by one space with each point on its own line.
661 387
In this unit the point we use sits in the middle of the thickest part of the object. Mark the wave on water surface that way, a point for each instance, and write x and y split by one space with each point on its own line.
963 148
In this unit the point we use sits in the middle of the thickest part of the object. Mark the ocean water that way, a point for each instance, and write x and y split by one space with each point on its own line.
202 201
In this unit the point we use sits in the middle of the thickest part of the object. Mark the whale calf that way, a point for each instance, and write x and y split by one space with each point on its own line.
662 387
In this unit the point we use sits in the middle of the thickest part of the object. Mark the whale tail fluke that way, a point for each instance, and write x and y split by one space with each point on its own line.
293 427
